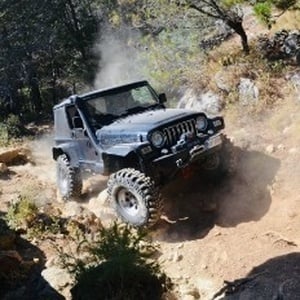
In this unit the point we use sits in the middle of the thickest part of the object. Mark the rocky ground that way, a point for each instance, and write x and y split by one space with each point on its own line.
235 239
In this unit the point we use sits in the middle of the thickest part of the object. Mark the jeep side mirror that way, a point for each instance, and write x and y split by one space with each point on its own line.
162 98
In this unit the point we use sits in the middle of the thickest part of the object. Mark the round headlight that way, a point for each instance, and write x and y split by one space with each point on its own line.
201 123
157 139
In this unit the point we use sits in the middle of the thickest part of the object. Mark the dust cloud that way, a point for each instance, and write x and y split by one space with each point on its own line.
246 196
196 204
121 59
41 152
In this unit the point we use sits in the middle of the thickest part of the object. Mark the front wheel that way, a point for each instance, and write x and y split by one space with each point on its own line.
68 178
135 196
224 161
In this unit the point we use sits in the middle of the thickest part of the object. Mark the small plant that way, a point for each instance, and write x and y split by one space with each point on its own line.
44 225
118 266
14 126
4 139
11 128
263 11
22 213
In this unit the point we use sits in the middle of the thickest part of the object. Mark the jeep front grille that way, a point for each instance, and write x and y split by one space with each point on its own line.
173 133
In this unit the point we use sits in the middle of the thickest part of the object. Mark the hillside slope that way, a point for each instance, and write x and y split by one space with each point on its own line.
245 227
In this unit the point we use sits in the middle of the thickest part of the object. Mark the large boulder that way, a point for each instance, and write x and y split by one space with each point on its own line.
284 44
248 92
208 102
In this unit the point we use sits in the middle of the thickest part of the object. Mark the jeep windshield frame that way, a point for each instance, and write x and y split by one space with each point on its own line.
104 107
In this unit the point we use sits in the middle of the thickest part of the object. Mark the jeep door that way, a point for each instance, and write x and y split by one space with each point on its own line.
88 155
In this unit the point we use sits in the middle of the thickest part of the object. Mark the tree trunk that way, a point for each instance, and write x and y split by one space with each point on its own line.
237 26
36 95
76 29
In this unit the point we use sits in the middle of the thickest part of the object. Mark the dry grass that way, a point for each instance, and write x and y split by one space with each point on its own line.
228 63
231 64
290 20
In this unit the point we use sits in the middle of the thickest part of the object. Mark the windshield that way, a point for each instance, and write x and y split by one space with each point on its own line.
104 109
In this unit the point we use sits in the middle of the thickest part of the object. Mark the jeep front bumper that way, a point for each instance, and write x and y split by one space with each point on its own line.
187 153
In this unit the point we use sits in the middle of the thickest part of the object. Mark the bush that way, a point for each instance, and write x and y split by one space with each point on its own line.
11 128
3 135
122 268
22 213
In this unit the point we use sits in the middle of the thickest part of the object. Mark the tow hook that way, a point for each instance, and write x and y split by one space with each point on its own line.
180 164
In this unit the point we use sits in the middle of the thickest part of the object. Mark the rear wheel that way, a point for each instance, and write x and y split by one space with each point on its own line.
69 181
135 196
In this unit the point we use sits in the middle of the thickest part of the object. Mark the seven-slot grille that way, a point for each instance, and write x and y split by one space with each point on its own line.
174 132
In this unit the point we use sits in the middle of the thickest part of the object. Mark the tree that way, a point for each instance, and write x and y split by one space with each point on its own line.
225 11
41 44
154 16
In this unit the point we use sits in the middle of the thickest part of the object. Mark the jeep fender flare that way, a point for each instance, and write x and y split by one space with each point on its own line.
70 150
117 157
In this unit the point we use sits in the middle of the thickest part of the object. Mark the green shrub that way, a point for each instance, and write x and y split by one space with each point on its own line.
14 126
11 128
121 267
22 213
263 12
3 135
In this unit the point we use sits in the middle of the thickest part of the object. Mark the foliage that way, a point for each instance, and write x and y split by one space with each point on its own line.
44 46
21 213
117 266
4 140
24 215
10 129
47 48
264 9
169 56
226 11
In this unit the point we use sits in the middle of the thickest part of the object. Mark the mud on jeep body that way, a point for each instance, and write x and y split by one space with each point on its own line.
128 133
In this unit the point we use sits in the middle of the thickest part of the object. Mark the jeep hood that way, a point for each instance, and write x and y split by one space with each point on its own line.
148 120
134 128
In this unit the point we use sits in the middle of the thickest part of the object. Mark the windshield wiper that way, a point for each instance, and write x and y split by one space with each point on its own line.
133 110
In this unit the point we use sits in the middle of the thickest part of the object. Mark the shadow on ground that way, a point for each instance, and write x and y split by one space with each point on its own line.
277 279
194 206
7 175
20 276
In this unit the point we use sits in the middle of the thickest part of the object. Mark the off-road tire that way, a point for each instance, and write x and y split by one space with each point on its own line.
224 162
135 197
69 181
228 156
